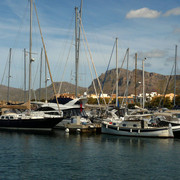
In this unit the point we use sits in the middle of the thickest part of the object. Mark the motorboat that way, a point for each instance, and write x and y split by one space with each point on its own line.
72 109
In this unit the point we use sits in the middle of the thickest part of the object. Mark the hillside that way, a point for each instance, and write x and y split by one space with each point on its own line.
153 82
18 94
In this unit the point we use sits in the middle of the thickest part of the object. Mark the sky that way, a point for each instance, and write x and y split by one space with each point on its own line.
149 28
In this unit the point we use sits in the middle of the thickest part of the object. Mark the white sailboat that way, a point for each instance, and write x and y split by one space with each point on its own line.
136 127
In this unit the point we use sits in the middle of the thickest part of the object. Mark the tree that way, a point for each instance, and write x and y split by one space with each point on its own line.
155 102
164 103
168 103
178 100
92 100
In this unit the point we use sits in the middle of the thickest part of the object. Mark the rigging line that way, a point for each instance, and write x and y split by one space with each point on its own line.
127 83
35 78
54 89
65 65
108 67
91 72
21 70
21 95
93 65
167 84
118 77
126 90
36 39
5 69
20 26
79 34
61 56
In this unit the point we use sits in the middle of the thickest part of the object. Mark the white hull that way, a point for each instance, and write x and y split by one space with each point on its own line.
73 120
176 128
163 132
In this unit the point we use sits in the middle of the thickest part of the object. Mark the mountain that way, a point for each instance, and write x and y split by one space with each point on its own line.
153 82
18 94
15 94
66 88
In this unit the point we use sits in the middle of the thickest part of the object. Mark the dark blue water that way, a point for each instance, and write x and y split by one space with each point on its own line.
62 156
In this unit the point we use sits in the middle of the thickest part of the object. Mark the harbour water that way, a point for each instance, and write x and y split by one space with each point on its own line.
91 156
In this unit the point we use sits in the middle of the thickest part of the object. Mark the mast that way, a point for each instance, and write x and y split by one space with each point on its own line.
77 45
79 35
46 80
116 72
24 75
175 64
127 83
135 76
9 73
30 49
76 53
40 74
143 83
47 61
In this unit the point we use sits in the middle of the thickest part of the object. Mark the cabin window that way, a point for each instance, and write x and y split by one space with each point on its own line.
83 113
52 113
45 109
67 113
124 125
2 117
134 125
76 112
11 117
78 103
7 117
178 115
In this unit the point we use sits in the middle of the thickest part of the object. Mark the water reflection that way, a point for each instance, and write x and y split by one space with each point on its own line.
85 156
138 142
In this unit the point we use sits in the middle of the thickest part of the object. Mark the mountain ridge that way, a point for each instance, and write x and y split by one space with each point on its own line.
17 94
153 82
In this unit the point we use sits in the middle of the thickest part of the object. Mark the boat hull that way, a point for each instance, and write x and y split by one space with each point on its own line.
37 124
176 130
163 132
175 127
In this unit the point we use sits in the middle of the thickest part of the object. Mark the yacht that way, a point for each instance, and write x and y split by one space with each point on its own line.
71 108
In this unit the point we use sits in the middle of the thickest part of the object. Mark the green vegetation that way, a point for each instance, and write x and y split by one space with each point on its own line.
154 103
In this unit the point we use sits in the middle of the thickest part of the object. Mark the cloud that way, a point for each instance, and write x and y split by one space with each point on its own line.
172 59
143 13
148 64
156 53
177 31
175 12
17 7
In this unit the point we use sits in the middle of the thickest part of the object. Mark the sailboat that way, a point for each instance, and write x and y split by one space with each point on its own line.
138 125
13 119
171 116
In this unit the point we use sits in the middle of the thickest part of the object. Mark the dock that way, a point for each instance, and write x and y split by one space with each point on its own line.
83 128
